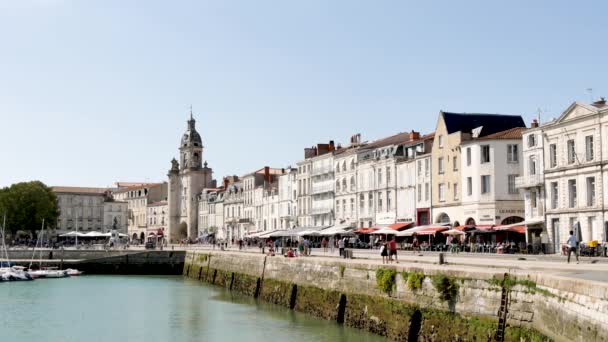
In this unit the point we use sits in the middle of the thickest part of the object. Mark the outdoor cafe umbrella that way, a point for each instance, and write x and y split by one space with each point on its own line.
453 232
74 234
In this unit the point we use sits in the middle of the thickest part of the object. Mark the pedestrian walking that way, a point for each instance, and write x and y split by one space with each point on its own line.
572 246
392 250
341 246
324 245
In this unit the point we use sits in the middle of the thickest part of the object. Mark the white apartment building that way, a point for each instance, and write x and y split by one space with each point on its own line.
304 199
211 214
574 173
322 189
236 225
158 219
260 199
376 180
531 184
288 197
489 168
414 179
345 174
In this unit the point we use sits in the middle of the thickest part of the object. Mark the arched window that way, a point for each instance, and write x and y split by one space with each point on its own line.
337 167
352 183
344 166
344 186
352 164
338 186
443 218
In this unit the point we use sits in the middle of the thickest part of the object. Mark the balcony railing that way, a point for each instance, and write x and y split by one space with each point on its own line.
322 210
529 181
322 170
321 188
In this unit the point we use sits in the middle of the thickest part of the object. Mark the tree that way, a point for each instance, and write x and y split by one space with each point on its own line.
26 205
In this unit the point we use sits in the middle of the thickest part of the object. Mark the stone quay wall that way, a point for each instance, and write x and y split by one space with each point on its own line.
108 262
410 302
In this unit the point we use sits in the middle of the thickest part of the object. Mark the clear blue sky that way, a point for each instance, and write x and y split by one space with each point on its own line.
92 92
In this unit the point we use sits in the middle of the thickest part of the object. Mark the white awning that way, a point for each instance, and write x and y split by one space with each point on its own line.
411 231
336 229
74 233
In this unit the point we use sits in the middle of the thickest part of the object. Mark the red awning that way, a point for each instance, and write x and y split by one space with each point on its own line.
401 225
365 230
511 228
431 230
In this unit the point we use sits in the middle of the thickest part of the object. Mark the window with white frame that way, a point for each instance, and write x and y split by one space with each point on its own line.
554 195
389 204
485 184
455 160
511 184
572 193
441 192
512 153
469 186
468 156
440 165
590 191
427 191
531 140
589 153
379 201
427 167
370 198
485 154
533 199
455 191
440 139
388 175
379 177
552 155
419 192
352 206
571 151
532 166
361 202
419 165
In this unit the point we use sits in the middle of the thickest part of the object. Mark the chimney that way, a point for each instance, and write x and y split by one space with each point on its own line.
534 124
331 145
267 174
414 135
282 170
599 104
226 182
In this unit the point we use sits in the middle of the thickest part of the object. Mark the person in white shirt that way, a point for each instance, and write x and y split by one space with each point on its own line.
572 246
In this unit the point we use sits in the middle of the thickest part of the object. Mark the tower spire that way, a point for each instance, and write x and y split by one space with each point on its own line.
190 112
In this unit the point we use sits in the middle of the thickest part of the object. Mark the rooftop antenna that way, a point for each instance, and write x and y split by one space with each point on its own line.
590 91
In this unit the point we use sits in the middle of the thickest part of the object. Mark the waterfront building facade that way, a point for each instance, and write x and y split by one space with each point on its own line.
574 169
89 209
303 178
451 131
233 208
345 175
187 179
489 167
158 218
138 197
288 197
322 186
413 179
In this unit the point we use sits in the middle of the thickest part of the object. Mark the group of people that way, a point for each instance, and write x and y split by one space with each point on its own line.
388 250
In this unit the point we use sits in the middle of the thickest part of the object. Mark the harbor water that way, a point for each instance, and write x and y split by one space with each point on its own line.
151 308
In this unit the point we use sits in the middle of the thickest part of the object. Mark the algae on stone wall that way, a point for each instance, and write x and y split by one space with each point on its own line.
385 280
318 302
379 315
276 292
414 280
446 286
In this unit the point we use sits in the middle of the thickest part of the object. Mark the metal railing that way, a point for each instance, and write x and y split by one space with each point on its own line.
529 181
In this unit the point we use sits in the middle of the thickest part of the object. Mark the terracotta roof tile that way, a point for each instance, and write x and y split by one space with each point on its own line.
512 133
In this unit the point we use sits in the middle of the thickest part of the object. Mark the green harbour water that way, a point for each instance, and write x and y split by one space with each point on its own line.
151 308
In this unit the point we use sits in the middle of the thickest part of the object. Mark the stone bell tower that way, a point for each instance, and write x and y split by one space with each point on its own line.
187 179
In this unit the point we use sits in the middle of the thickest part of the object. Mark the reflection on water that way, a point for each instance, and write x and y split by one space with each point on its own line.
151 308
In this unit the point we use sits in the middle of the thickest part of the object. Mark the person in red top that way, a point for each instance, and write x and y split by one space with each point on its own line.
392 248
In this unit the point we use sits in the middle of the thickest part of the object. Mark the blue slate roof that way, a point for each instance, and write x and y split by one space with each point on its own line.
492 123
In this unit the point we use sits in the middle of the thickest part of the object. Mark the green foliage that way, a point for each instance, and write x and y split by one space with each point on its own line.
385 279
446 286
414 281
26 205
202 257
405 275
342 271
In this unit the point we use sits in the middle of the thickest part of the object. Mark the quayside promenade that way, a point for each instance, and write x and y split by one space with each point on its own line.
542 298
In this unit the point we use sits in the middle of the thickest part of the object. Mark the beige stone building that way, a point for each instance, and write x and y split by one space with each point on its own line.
451 131
89 209
138 197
